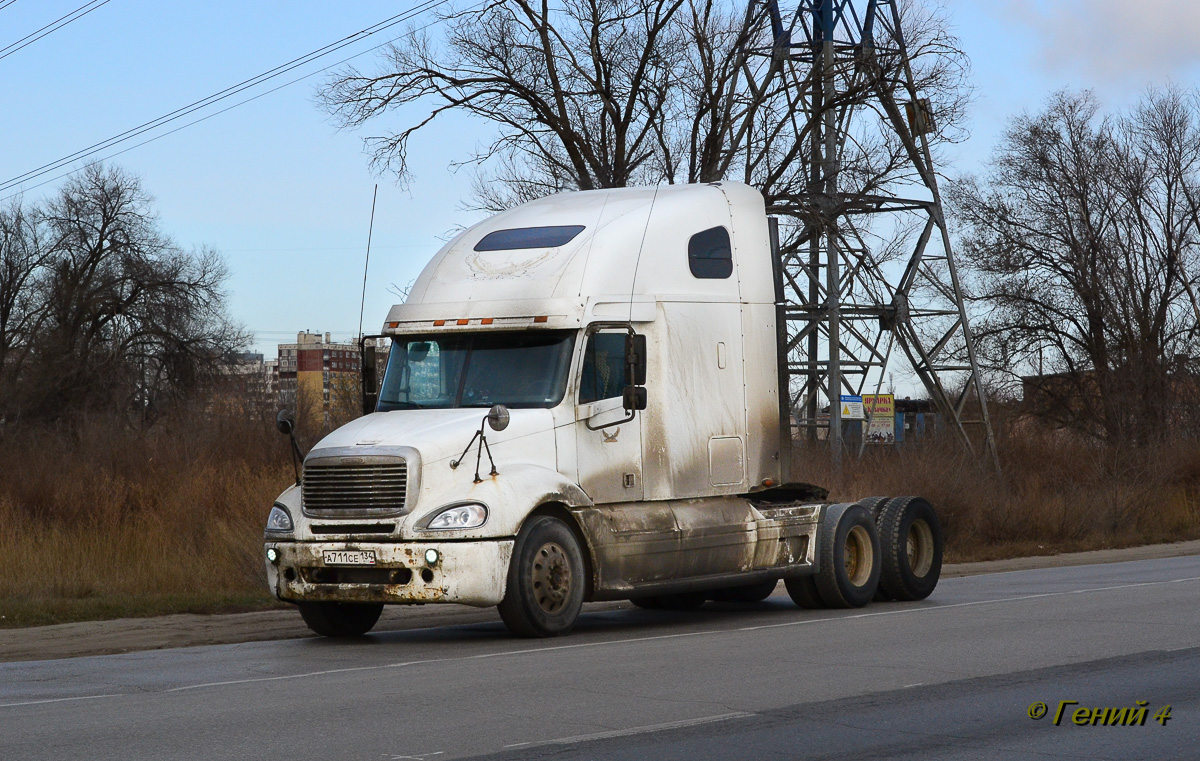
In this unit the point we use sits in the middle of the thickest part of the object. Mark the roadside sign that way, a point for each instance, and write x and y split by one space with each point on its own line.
852 407
882 409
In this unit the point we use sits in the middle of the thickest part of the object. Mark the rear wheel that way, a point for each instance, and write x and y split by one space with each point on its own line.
875 505
756 592
340 619
545 580
911 539
849 559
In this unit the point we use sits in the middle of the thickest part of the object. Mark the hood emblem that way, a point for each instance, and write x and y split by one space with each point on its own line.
613 438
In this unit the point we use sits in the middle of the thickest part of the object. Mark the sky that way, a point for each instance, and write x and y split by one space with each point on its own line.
286 197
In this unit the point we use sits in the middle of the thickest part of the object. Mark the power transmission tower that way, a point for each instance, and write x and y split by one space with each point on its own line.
836 63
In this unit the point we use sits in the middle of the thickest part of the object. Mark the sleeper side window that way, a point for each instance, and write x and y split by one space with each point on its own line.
603 374
710 254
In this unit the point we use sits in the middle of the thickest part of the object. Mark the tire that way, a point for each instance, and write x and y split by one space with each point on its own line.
875 505
340 619
756 592
848 556
803 591
912 545
545 580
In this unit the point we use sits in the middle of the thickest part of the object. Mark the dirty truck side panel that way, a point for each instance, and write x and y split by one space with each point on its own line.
675 545
631 544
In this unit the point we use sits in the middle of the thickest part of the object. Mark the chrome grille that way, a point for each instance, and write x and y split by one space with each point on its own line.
333 485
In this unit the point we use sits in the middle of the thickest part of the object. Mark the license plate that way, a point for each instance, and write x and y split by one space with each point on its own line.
349 557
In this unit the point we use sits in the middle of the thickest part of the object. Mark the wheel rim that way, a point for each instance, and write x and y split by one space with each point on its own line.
551 577
858 556
919 548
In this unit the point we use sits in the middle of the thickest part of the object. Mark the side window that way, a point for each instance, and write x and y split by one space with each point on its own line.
710 254
603 375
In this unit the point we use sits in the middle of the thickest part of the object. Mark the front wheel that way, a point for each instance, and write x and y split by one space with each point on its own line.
545 580
340 619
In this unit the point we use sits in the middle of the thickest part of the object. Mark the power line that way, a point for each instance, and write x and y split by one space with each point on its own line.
74 15
5 3
208 116
179 113
228 92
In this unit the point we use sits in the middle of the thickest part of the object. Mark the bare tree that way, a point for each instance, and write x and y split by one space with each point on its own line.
608 93
116 315
21 257
1082 244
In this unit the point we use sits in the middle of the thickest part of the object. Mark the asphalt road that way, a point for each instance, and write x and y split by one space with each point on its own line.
951 677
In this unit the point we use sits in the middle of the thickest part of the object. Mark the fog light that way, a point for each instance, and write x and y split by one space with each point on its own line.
272 554
431 556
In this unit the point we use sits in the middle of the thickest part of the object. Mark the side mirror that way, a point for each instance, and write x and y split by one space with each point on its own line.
634 398
635 360
498 417
285 422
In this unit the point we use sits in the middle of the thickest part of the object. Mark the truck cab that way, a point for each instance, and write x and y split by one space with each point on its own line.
581 402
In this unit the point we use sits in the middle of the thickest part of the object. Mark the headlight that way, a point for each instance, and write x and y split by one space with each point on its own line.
458 517
279 519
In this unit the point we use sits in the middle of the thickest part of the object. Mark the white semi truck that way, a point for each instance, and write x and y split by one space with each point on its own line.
582 401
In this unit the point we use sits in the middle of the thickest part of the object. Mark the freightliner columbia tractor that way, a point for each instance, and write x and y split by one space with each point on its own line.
585 399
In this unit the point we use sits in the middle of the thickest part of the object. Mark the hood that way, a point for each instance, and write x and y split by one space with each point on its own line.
441 434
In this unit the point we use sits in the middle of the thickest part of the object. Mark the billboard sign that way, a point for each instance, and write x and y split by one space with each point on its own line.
880 410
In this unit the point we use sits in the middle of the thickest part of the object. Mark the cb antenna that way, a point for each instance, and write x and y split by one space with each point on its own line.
370 231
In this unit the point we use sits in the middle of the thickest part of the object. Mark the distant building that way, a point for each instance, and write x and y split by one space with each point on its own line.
318 366
250 377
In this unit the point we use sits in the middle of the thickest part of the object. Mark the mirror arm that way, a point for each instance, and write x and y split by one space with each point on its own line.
631 416
297 458
456 462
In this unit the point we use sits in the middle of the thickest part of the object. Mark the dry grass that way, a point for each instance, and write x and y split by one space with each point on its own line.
103 521
1057 495
106 521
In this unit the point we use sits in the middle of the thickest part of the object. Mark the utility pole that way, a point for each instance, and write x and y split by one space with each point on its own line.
836 62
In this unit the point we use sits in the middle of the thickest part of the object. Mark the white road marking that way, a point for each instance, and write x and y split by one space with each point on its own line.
59 700
629 640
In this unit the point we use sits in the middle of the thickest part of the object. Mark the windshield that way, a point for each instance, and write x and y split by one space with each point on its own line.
440 371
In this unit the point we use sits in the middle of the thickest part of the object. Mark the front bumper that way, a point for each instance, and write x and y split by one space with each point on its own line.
471 573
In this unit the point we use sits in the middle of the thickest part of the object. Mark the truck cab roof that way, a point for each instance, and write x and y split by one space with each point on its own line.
597 255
